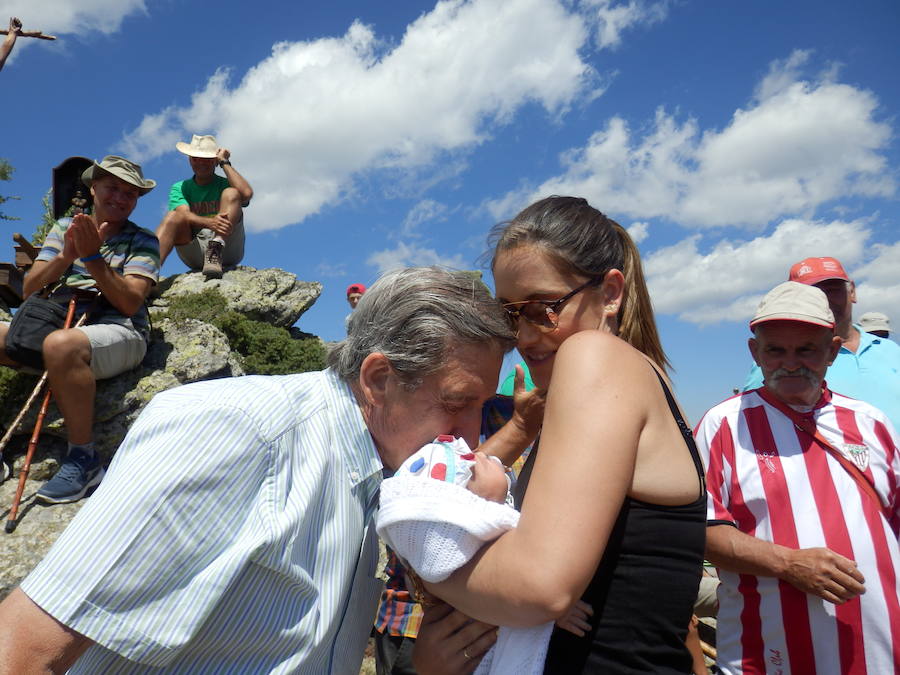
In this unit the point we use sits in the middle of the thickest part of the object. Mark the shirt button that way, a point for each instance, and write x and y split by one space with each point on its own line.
354 475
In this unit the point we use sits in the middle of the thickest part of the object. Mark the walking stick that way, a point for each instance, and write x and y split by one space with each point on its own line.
25 408
32 443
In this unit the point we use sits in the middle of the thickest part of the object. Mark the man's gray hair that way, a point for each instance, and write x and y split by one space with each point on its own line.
415 316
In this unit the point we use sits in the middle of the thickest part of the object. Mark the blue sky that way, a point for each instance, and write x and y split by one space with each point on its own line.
731 138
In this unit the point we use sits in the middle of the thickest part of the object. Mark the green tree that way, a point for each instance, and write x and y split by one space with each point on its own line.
6 171
47 221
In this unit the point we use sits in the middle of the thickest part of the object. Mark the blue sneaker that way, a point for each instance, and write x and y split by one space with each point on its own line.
79 473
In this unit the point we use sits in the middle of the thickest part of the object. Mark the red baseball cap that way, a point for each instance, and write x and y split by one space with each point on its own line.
813 270
356 288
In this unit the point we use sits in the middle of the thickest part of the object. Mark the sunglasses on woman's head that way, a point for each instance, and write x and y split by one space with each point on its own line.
544 314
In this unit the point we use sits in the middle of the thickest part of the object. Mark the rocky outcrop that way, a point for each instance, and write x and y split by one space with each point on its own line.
179 352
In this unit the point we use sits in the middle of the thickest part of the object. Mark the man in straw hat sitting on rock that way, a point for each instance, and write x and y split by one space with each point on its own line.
803 507
105 252
205 222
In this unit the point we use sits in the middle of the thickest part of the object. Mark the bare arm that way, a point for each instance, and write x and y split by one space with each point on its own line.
513 437
235 180
125 293
816 571
596 411
33 642
15 27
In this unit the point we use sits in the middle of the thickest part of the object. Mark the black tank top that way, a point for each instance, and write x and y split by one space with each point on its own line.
644 589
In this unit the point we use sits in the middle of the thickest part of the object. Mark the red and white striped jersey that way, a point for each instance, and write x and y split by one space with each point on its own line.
775 483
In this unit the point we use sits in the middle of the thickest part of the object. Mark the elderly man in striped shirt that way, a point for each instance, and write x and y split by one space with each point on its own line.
803 507
233 533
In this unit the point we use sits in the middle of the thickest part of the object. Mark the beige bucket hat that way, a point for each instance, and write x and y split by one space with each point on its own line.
200 146
120 168
793 301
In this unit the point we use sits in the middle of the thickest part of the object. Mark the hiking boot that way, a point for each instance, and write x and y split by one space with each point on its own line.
212 262
79 473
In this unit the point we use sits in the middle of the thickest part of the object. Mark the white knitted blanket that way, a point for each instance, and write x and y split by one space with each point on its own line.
436 527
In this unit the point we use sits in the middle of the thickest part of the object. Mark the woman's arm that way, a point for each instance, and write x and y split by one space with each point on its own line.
595 413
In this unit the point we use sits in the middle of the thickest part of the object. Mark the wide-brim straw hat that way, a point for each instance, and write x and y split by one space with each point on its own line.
204 147
120 168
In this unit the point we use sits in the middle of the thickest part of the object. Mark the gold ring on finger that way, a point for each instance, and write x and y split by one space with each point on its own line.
466 654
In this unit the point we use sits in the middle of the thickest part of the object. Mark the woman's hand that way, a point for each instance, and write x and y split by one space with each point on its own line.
529 405
577 619
450 643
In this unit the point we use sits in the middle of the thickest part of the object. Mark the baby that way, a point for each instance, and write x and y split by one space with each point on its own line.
438 509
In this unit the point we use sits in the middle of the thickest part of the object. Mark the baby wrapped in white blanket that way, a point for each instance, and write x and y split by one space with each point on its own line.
438 509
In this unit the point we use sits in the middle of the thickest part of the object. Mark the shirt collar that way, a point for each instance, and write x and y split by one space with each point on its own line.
355 441
866 340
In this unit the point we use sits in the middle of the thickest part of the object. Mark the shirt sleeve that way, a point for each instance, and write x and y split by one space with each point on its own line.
754 379
143 257
176 196
176 519
54 242
713 438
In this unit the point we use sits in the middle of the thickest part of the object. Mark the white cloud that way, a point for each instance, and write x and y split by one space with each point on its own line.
638 231
798 145
406 255
424 211
878 283
613 20
64 17
726 282
313 115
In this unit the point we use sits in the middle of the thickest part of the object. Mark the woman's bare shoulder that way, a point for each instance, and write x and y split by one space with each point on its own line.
604 351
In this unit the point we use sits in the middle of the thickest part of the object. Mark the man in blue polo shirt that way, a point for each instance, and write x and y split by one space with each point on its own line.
867 367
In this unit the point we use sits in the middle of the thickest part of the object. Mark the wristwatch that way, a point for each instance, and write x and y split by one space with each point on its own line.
224 162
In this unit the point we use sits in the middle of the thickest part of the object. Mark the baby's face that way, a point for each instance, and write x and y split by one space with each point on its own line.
488 478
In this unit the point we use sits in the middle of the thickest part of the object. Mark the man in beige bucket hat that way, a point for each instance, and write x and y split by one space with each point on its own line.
103 252
205 221
802 506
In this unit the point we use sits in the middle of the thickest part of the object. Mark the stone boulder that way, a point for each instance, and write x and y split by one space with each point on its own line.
270 295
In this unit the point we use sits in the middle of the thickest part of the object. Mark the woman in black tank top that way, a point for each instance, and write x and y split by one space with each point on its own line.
615 506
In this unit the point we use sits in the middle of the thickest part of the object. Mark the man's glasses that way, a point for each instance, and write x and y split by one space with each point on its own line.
544 314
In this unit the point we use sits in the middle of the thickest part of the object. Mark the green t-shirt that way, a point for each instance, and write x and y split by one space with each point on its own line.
200 199
509 383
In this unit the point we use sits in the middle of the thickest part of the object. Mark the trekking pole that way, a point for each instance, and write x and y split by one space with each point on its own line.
32 443
25 408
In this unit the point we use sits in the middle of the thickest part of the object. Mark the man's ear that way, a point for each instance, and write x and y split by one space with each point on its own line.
852 292
835 347
374 375
753 346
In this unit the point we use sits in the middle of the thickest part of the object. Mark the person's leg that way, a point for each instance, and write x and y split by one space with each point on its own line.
193 253
67 358
233 250
393 654
174 230
4 359
75 360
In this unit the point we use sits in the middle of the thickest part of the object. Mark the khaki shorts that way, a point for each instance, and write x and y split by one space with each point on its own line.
114 348
194 253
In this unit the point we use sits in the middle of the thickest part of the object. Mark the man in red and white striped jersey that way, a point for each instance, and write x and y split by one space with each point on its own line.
803 507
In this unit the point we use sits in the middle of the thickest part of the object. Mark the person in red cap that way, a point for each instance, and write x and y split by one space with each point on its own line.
354 293
803 507
867 366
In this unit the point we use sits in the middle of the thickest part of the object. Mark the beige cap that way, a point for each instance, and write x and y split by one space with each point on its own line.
793 301
875 321
200 146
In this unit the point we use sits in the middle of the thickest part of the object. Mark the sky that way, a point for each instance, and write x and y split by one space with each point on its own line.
730 138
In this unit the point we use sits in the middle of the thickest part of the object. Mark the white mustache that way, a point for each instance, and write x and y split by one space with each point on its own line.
802 371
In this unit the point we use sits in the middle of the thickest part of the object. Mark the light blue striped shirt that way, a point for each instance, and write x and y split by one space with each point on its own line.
231 535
